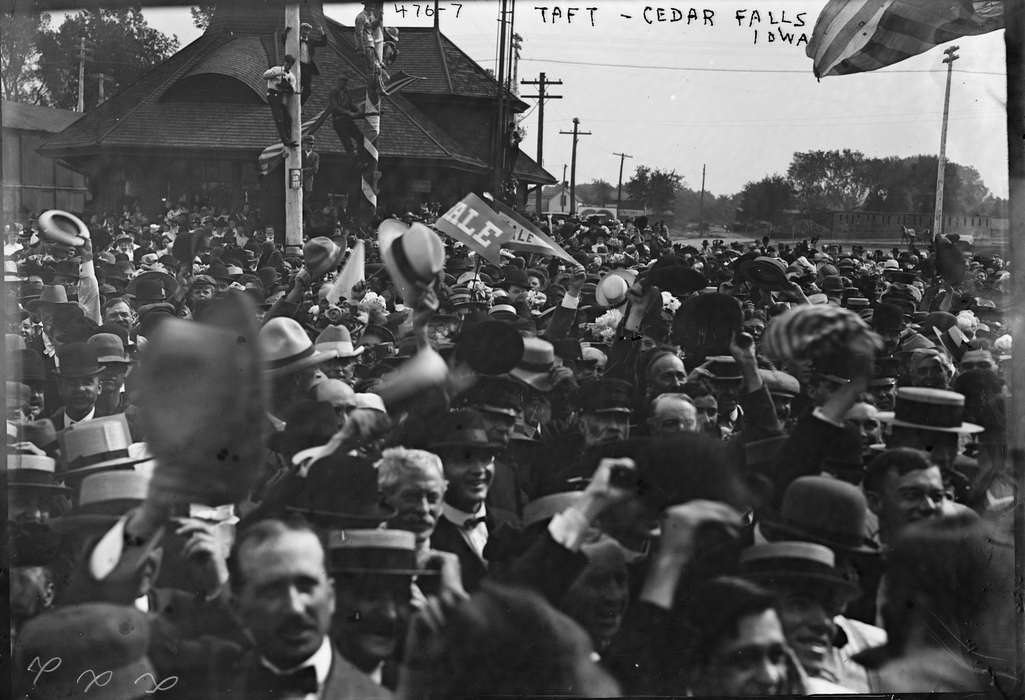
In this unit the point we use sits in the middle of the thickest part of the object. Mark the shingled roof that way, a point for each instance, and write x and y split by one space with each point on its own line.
36 118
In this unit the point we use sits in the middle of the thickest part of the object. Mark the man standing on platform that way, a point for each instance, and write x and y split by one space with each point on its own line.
281 88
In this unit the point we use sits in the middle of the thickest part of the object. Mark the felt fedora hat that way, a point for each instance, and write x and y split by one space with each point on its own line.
107 639
489 347
705 324
110 349
463 429
336 341
78 360
929 409
287 348
29 471
612 289
413 255
102 498
96 445
321 255
52 295
820 509
792 561
767 272
535 365
374 552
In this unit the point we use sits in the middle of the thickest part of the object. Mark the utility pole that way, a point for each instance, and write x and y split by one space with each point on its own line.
542 82
701 206
576 133
81 76
619 187
498 142
102 80
941 164
294 158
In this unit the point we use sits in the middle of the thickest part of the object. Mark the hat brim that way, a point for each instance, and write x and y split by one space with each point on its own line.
316 358
67 524
102 466
773 528
963 429
92 373
337 517
40 487
841 585
382 572
337 353
36 304
542 381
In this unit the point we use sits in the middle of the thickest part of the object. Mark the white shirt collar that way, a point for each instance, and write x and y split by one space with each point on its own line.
461 516
321 662
142 603
87 416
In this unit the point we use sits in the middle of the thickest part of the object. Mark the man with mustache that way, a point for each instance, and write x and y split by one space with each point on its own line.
78 381
115 363
604 411
285 599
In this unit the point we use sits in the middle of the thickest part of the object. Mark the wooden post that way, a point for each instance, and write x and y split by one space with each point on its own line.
1014 43
941 163
619 187
294 157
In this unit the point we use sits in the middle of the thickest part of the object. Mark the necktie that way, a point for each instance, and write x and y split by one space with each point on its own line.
298 683
471 523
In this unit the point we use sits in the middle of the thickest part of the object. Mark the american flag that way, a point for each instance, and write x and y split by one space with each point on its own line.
275 152
854 36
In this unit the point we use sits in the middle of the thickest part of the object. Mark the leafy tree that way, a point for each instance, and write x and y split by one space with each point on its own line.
19 57
201 15
596 192
119 43
657 189
828 179
765 200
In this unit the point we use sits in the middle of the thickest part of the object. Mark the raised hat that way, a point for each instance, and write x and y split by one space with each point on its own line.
823 510
321 255
929 409
109 349
287 348
536 364
779 382
78 360
612 289
413 255
63 227
336 341
374 552
101 637
706 324
790 561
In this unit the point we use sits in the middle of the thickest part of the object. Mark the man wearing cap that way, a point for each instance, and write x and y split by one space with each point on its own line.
929 420
78 382
285 598
467 522
291 362
337 342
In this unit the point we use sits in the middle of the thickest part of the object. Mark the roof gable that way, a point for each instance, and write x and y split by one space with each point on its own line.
37 118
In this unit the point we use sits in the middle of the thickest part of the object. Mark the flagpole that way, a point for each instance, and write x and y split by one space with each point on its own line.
294 155
1014 44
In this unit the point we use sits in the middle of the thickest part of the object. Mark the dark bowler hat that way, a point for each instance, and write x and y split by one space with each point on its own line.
463 429
823 510
373 552
101 444
110 349
109 640
28 471
78 360
341 492
375 335
795 562
929 409
888 318
605 396
884 372
102 498
146 291
724 368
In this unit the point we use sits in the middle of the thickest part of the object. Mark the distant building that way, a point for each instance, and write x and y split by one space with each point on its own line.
554 200
882 224
31 183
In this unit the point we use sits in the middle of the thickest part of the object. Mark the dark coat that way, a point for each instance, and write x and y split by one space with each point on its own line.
448 538
344 681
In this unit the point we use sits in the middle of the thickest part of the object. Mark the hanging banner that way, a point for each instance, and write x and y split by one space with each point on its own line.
475 224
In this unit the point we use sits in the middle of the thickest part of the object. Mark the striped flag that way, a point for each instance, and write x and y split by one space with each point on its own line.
854 36
275 152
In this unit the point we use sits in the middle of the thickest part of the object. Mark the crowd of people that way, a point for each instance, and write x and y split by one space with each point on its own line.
390 467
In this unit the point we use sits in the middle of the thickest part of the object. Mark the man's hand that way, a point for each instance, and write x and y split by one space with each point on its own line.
576 283
205 555
681 522
601 492
447 566
86 250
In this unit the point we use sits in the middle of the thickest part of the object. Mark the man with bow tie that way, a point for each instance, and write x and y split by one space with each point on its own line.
285 599
468 456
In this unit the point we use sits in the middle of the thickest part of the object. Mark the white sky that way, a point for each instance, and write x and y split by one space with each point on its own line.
733 115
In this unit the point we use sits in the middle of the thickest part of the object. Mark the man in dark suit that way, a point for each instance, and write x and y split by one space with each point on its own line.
285 599
466 523
78 382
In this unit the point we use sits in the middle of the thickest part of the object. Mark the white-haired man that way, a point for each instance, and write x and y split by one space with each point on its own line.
413 483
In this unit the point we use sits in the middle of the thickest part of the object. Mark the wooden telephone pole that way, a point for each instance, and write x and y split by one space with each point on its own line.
542 82
576 133
294 158
619 187
941 164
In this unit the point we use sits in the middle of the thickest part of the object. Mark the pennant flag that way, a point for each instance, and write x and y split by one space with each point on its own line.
398 80
353 272
270 156
528 238
854 36
476 225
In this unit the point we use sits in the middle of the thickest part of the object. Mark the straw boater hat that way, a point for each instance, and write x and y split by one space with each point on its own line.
102 498
413 255
97 445
536 364
28 471
612 289
375 552
795 562
929 409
